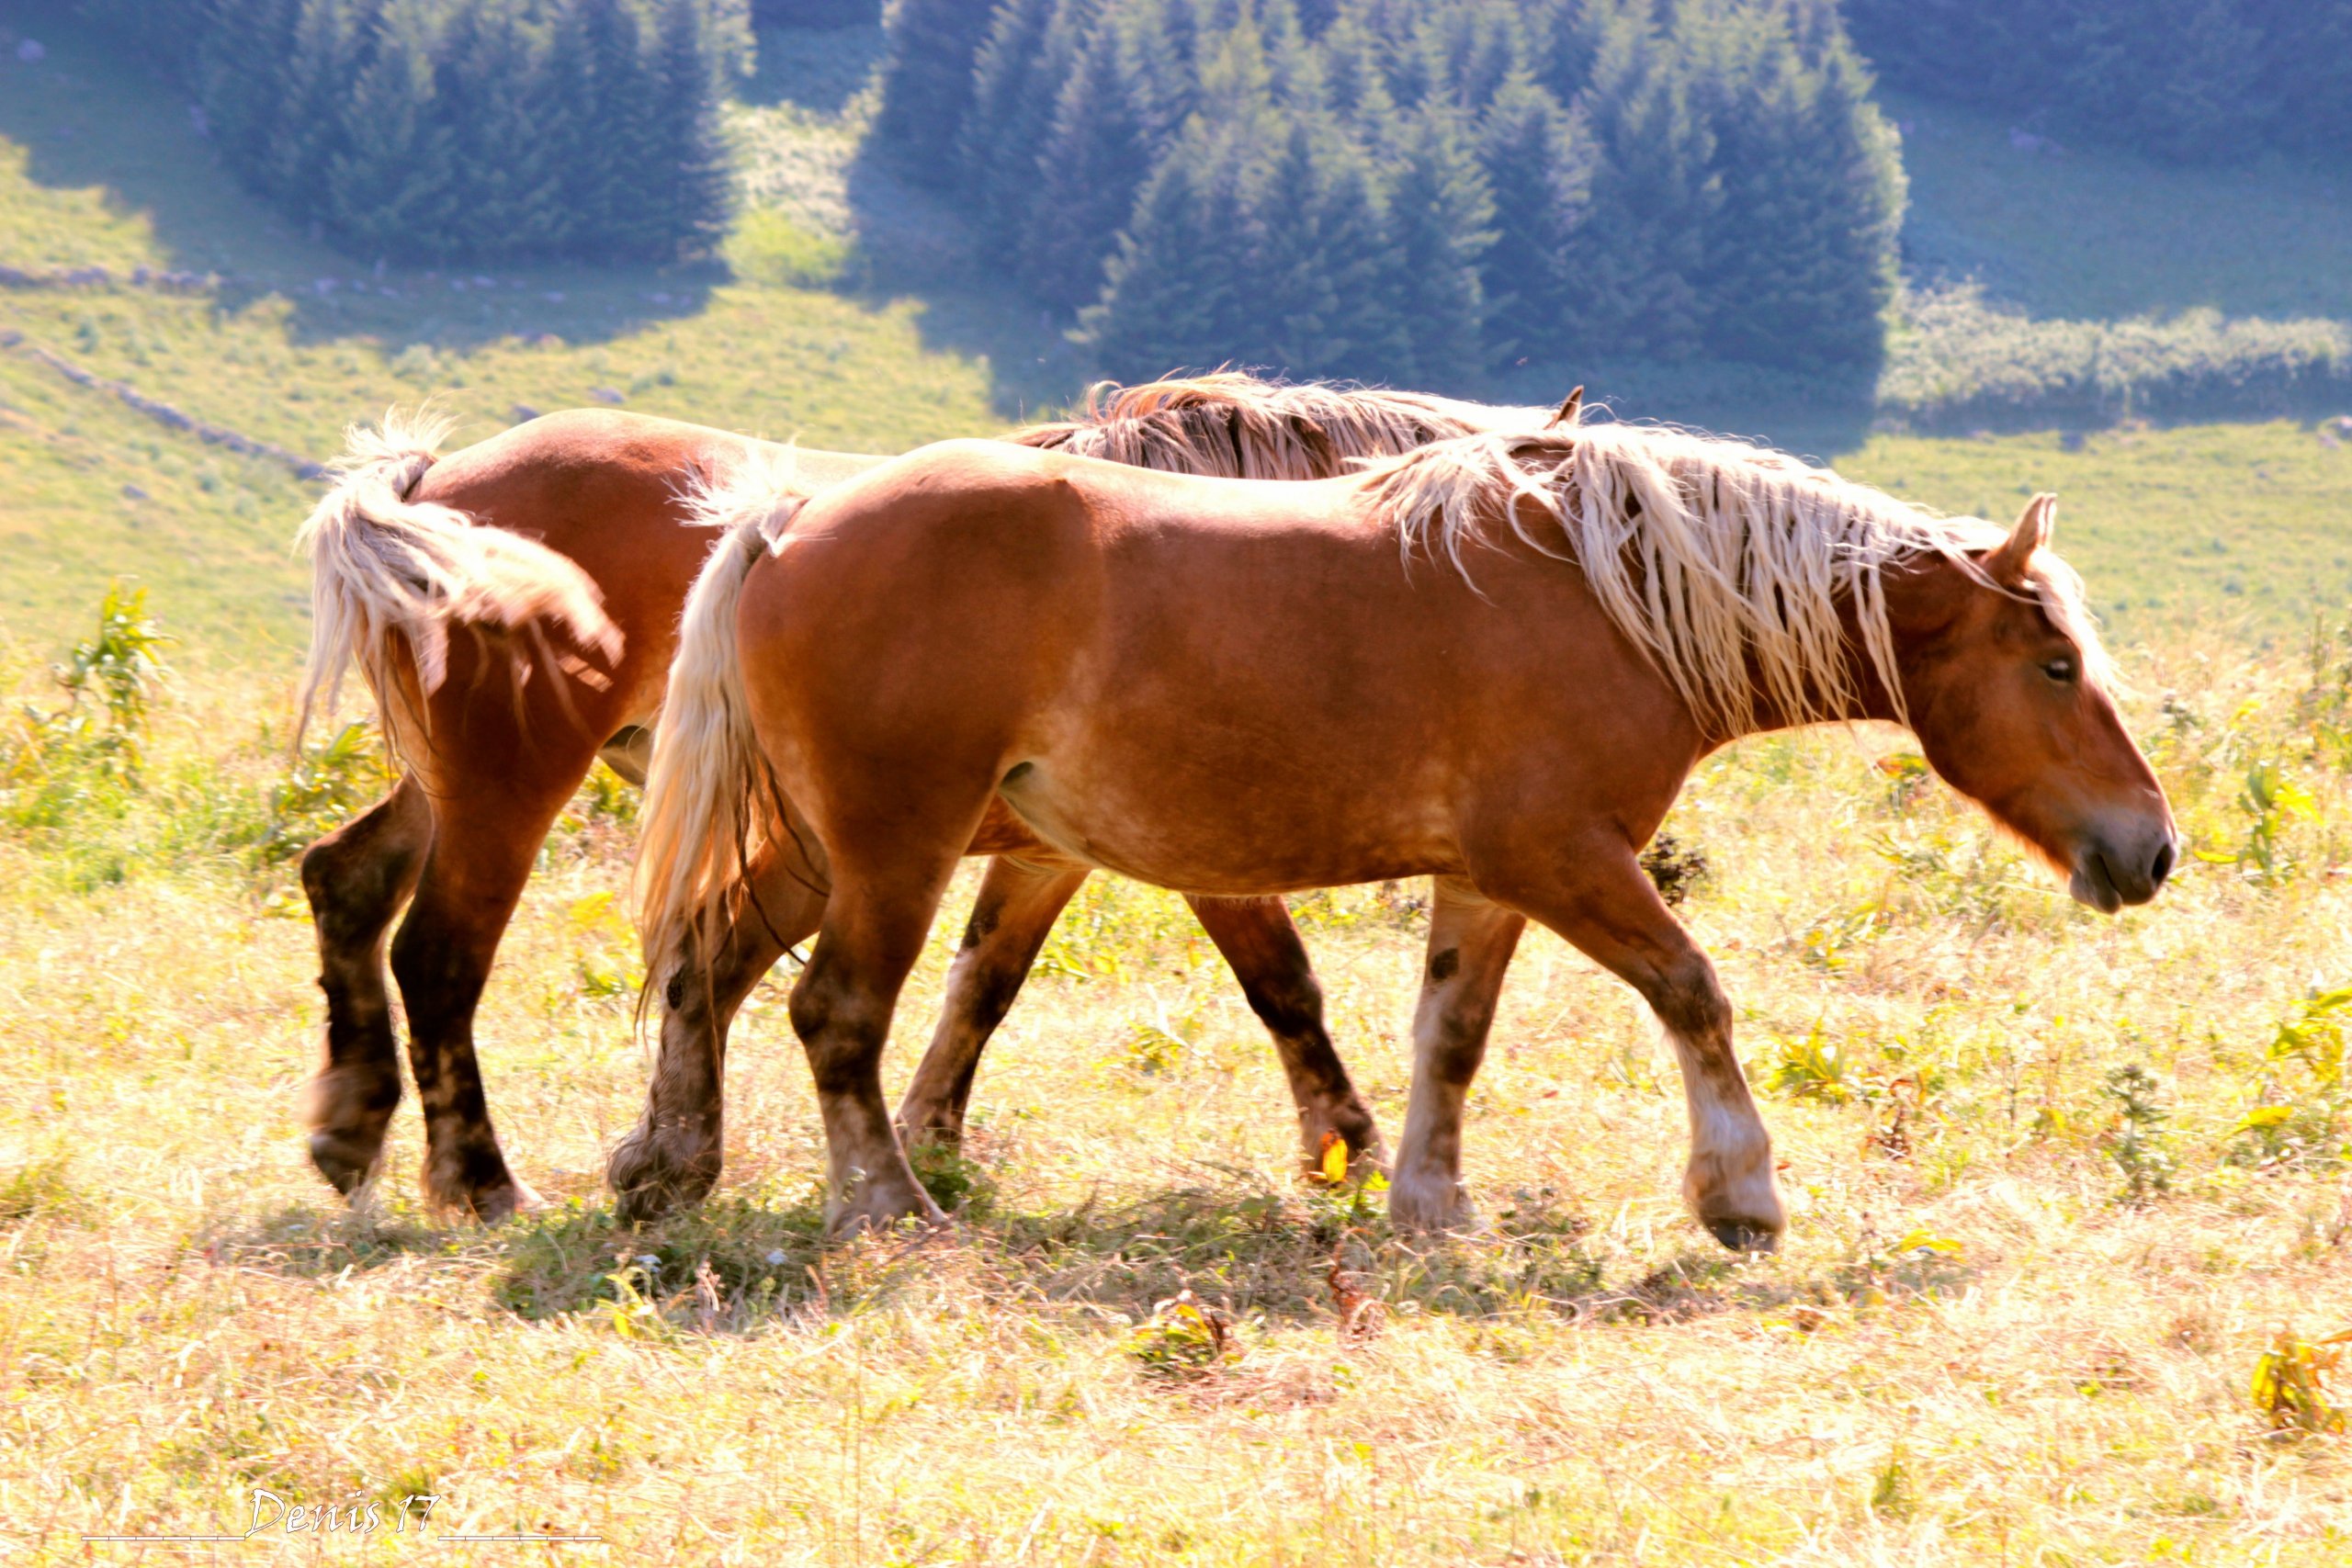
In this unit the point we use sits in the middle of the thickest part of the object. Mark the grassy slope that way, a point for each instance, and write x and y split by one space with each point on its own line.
2093 233
273 355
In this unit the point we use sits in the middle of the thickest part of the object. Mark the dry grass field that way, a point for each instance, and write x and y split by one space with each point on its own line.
2073 1196
2019 1318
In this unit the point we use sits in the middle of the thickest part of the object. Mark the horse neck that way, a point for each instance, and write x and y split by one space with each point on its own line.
1866 694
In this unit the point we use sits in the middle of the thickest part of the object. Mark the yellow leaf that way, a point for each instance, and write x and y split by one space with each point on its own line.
1335 1158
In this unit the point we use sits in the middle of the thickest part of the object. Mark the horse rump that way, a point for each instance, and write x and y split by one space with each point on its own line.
393 575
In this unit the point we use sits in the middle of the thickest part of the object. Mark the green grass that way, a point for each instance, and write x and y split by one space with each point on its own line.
2096 233
2243 525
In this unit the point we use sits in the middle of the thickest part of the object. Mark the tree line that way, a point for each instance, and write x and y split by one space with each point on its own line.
1414 190
466 129
2192 81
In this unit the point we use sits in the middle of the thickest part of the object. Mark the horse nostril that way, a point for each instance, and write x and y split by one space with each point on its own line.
2163 868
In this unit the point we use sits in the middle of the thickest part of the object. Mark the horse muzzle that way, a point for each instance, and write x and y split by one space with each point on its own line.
2109 875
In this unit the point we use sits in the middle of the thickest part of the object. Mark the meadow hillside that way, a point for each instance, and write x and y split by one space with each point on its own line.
847 319
2073 1196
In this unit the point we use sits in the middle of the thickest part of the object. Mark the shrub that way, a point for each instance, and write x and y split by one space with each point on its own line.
1958 361
101 734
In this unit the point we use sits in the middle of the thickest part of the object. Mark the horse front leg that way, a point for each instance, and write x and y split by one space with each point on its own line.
356 878
1471 941
672 1157
1019 900
1607 905
1261 943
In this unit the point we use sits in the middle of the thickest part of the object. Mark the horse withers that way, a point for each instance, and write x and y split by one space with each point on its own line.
1495 660
514 609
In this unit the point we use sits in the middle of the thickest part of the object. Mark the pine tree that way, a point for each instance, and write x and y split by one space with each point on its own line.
1030 52
927 81
1182 286
1312 287
562 103
1800 262
616 154
242 62
1440 214
511 130
1100 153
305 136
390 188
1355 82
1631 266
1539 165
689 202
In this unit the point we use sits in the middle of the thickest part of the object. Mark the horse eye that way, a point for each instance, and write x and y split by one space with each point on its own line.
2061 671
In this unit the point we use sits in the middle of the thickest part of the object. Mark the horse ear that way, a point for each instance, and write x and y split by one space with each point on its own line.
2006 564
1570 410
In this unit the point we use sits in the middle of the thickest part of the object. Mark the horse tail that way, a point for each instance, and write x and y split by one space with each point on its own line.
710 800
389 574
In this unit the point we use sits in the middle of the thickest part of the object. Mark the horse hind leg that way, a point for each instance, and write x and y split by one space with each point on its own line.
486 835
1470 944
356 878
1019 900
873 932
1262 944
672 1157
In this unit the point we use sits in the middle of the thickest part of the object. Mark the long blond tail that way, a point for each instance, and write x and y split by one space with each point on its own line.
709 800
384 566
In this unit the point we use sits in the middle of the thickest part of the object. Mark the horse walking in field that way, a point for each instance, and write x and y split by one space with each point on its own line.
1494 659
513 607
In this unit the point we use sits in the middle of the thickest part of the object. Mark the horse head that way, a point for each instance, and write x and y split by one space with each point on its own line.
2008 690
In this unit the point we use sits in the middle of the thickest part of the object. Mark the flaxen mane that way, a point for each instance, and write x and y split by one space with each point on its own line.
1235 426
1725 563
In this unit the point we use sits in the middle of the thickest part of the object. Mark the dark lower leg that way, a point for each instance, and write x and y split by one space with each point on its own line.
1258 940
484 839
1015 911
671 1158
442 958
841 1008
1471 941
356 878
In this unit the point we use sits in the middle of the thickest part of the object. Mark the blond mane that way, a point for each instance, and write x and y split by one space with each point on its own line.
1232 425
1728 565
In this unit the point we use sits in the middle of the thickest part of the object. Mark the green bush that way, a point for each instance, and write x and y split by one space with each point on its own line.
1957 361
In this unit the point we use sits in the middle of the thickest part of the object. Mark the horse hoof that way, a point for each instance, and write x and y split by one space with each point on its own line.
880 1217
496 1205
650 1181
347 1165
1739 1235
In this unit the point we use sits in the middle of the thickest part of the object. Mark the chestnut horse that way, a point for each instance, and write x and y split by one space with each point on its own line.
1495 660
562 549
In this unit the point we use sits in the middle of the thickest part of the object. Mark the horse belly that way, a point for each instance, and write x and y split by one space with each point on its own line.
1228 833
